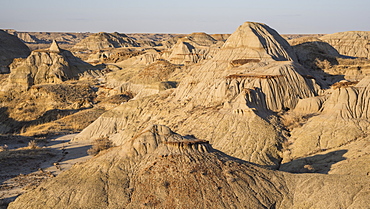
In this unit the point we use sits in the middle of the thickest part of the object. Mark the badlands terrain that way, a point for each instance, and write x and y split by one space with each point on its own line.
252 119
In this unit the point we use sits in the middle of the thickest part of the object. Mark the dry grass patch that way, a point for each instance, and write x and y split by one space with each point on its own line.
155 72
99 145
343 84
295 120
236 76
240 62
66 125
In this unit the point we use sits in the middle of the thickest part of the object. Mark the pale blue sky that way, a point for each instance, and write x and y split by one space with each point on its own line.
185 16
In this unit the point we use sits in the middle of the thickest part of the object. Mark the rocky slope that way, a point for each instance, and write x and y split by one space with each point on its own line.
10 47
52 65
193 49
341 121
103 40
161 169
224 100
350 43
261 103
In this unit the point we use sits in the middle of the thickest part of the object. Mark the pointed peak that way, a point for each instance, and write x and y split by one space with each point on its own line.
262 41
54 47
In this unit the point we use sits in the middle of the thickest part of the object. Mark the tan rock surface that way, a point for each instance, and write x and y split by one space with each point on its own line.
103 40
51 65
350 43
193 49
337 134
161 169
216 96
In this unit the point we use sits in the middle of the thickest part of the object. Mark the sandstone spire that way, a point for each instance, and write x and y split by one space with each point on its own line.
54 47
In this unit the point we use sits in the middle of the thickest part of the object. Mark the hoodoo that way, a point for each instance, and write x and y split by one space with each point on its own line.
52 65
54 47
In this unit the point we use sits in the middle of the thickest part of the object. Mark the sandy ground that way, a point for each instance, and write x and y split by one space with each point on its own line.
26 169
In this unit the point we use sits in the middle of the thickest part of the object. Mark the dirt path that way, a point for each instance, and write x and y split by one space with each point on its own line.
21 170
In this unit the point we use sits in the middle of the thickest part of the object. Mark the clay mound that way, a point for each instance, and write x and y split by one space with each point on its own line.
161 169
220 37
210 83
103 40
220 103
52 65
350 43
343 119
155 72
193 48
327 65
202 39
10 47
259 41
271 86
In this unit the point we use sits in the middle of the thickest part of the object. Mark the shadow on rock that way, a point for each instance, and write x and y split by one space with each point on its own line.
314 164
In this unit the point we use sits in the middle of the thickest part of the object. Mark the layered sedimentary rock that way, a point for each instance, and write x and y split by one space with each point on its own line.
193 49
161 169
226 100
345 114
103 40
10 47
350 43
52 65
337 132
327 62
258 41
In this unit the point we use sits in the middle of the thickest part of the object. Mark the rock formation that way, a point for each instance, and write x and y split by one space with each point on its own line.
327 64
103 40
40 38
193 49
258 41
350 43
220 37
10 47
345 114
242 104
223 99
161 169
52 65
54 47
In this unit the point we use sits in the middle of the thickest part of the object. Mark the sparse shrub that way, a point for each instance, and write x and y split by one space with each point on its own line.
240 62
32 145
322 64
99 145
343 84
295 120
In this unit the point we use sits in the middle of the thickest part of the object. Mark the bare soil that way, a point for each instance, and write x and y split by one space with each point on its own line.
23 169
